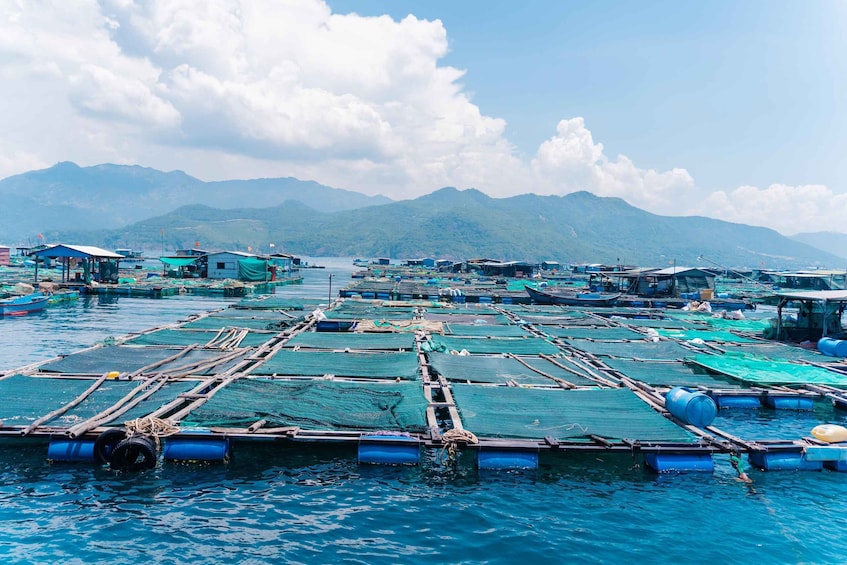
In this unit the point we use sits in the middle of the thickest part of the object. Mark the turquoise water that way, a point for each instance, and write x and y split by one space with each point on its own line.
273 504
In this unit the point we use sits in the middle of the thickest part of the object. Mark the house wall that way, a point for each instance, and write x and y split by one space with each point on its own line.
223 265
5 256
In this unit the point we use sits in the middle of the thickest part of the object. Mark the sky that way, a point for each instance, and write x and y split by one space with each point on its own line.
731 110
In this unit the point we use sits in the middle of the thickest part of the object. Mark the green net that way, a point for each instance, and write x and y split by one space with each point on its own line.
191 337
517 346
370 314
353 341
770 372
216 322
779 351
669 374
514 412
646 350
125 360
601 333
718 336
499 370
170 391
475 319
25 399
271 303
318 363
315 405
661 323
755 327
470 330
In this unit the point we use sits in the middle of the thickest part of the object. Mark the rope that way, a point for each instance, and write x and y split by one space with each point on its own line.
152 427
451 439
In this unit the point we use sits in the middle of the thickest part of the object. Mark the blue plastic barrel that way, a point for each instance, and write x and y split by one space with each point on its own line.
61 449
832 347
693 408
503 459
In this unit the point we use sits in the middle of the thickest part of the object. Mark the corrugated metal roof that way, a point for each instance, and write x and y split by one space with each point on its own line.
64 250
830 295
677 270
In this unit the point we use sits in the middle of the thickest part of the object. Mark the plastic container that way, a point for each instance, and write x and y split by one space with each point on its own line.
693 408
832 347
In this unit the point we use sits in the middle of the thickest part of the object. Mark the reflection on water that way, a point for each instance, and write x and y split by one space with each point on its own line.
65 328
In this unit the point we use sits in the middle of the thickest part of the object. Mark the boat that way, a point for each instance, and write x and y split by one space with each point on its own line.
21 305
571 298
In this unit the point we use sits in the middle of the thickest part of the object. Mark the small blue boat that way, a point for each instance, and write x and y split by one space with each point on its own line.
21 305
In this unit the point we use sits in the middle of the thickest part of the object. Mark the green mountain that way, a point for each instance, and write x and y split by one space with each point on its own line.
455 224
69 197
831 242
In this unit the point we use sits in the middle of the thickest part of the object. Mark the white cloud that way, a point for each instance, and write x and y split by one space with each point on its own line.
237 89
571 161
787 209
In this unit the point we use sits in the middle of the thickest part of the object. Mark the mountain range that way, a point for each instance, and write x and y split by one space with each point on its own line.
116 206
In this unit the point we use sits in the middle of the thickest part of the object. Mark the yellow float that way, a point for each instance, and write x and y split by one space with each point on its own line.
830 433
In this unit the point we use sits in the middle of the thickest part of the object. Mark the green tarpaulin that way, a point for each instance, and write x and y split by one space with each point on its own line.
178 261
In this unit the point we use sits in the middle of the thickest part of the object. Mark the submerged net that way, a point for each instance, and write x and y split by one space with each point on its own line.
669 374
719 336
499 370
647 350
25 399
192 337
275 323
771 372
318 363
484 330
517 346
271 303
510 412
601 333
315 405
126 359
354 341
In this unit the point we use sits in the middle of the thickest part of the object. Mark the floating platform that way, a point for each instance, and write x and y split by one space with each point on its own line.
402 382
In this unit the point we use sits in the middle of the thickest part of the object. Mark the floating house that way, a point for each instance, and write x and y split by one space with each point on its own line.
238 265
672 282
5 255
551 266
818 314
82 263
808 280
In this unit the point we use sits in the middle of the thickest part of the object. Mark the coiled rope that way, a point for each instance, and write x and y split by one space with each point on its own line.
151 427
451 439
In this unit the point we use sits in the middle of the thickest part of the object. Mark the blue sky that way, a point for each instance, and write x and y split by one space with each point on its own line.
736 92
731 110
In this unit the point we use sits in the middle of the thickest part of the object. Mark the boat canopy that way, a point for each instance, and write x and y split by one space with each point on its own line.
178 261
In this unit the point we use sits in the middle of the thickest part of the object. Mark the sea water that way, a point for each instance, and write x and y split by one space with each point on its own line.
273 504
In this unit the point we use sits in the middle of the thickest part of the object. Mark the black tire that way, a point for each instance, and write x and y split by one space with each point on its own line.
106 442
134 454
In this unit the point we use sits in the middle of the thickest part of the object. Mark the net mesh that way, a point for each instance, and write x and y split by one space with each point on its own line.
24 399
517 346
315 405
499 370
192 337
355 341
511 412
646 350
601 333
484 330
719 336
271 303
126 359
780 352
318 363
669 374
771 372
279 322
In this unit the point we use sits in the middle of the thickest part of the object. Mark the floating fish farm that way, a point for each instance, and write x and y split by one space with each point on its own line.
503 386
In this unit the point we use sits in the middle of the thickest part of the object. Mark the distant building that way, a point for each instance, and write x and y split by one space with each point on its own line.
5 255
551 265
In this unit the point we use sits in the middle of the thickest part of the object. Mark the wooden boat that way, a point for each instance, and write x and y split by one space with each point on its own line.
571 298
20 305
